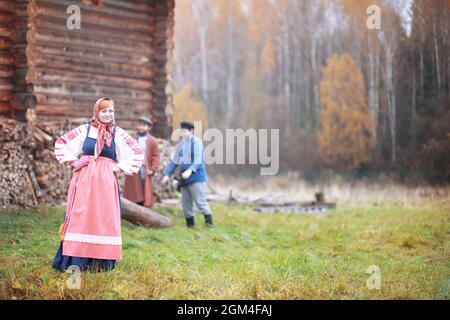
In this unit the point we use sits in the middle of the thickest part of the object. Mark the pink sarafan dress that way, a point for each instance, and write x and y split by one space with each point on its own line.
92 224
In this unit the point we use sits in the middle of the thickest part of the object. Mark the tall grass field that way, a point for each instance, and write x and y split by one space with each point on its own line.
248 255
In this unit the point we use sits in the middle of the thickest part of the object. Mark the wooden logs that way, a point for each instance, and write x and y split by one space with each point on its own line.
143 216
163 93
120 51
54 75
16 185
7 11
29 171
163 191
76 77
123 50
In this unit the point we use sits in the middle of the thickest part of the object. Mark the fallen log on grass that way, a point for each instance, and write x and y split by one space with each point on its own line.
143 216
29 172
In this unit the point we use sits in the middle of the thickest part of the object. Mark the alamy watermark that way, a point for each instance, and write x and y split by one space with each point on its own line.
374 280
73 21
235 146
374 20
74 280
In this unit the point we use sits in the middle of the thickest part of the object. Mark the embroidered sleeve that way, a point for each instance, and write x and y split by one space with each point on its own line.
70 145
129 155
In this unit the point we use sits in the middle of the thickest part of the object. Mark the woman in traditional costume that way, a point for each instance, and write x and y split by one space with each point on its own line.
91 233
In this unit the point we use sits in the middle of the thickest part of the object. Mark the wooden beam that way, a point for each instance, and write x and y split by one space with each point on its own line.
97 19
92 54
95 67
88 39
143 216
49 75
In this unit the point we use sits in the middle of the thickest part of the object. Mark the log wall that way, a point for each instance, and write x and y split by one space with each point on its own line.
123 50
7 12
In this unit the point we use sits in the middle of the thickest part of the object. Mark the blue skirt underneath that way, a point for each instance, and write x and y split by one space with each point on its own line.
61 262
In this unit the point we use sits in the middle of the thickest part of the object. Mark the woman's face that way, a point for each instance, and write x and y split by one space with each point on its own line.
107 115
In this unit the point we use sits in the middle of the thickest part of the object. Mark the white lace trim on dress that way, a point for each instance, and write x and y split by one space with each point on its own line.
90 238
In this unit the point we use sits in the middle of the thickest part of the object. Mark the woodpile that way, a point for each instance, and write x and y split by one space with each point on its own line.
143 216
53 177
16 165
163 191
29 171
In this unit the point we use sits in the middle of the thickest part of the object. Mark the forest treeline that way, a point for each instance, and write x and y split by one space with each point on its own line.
345 96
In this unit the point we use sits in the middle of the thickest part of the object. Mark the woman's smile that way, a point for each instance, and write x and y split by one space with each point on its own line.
107 114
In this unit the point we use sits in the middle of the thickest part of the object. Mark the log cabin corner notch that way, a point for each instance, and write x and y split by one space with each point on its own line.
123 50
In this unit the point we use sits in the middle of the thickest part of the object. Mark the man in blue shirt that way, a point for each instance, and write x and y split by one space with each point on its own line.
189 156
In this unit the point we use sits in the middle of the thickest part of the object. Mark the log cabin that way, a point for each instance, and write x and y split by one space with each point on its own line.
122 49
51 74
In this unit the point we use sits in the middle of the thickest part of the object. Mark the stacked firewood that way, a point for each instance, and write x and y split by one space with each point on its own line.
160 190
16 166
29 171
53 178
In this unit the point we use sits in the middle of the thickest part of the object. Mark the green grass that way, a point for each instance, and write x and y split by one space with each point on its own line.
249 255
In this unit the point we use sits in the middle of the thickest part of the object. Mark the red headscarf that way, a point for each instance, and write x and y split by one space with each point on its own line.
105 130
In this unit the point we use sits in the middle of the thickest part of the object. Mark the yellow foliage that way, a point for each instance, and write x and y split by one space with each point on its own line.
345 140
187 108
268 57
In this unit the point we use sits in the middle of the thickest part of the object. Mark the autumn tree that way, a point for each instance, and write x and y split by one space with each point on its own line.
187 107
257 63
345 139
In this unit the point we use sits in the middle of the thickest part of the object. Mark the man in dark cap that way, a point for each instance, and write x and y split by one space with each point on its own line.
139 187
189 157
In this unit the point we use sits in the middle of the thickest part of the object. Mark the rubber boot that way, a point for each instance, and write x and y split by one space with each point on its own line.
208 221
190 222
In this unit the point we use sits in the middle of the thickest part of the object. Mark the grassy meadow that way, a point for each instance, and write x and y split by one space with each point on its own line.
248 255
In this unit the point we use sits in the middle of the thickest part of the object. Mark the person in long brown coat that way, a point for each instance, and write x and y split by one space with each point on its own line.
139 187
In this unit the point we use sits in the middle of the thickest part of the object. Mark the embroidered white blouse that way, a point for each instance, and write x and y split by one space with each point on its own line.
130 156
